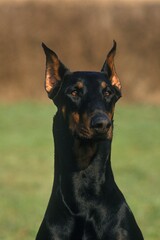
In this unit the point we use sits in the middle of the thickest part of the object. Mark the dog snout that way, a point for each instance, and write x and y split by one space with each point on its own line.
100 122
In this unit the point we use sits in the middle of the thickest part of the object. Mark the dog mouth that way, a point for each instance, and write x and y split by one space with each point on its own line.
84 133
95 127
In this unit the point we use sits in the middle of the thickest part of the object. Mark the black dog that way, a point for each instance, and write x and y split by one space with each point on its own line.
85 203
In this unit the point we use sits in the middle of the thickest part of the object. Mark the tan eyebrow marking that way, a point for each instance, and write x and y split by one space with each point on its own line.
103 84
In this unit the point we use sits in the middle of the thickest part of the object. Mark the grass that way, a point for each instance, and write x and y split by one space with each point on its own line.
26 172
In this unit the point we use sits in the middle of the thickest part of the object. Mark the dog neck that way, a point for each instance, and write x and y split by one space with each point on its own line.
80 165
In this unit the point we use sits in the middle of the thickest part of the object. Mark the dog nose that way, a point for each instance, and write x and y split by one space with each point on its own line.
100 122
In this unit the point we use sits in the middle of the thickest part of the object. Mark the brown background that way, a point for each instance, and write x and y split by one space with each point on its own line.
81 33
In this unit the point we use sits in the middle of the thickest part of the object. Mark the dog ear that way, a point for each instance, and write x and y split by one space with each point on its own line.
55 71
109 67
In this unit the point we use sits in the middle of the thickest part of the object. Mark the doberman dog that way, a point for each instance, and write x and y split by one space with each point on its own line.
85 202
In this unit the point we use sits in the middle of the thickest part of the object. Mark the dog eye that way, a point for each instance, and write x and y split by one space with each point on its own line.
74 93
107 93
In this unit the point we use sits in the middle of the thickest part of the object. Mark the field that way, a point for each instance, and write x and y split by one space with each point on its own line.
26 171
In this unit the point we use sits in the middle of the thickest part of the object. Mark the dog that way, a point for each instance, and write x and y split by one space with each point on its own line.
85 203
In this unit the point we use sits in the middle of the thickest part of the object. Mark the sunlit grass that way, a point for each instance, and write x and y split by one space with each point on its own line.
26 172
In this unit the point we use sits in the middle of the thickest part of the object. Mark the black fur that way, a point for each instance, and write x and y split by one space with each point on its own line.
85 203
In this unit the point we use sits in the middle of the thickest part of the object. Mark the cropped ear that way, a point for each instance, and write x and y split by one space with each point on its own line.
109 67
55 71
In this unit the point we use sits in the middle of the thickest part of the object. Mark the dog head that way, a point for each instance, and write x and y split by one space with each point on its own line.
85 100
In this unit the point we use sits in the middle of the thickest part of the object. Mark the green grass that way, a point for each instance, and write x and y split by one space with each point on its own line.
26 165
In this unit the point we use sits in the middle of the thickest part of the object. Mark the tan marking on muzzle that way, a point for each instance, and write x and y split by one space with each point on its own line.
75 117
86 120
73 121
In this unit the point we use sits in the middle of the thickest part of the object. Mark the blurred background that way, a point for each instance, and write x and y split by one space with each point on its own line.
81 33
